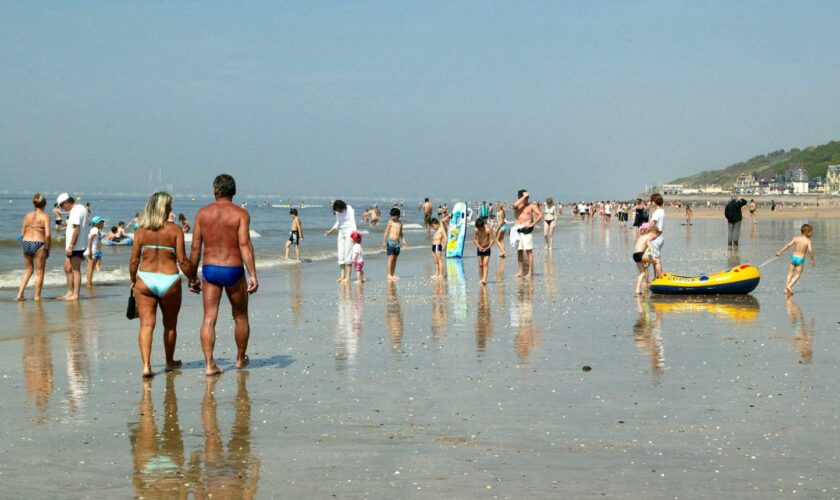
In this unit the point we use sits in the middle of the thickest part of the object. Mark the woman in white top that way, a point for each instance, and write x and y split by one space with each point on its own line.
345 224
549 219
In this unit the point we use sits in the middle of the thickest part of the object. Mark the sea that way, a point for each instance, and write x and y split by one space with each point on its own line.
270 223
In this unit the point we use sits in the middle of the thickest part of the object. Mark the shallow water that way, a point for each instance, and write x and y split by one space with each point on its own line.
423 388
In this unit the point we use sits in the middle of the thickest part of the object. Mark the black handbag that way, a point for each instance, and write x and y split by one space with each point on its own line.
131 310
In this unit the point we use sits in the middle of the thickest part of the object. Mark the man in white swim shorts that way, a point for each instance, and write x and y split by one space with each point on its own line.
527 216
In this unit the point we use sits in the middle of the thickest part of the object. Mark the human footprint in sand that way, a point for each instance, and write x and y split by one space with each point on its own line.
221 237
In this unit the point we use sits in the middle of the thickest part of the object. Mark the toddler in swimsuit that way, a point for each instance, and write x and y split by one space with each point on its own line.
357 257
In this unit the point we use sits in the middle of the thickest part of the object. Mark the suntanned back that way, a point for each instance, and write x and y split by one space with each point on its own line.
220 225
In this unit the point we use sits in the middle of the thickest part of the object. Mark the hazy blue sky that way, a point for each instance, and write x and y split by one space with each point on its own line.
472 99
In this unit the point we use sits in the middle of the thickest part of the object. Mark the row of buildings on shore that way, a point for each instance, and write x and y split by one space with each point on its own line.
794 180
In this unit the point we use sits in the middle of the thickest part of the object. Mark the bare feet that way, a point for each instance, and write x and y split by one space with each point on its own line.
213 370
37 298
502 255
529 276
517 275
19 298
243 363
68 298
174 365
147 372
393 278
788 292
483 282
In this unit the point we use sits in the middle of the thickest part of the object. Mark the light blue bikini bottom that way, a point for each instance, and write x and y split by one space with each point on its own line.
158 283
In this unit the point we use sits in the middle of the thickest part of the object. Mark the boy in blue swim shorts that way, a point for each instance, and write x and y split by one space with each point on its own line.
392 242
801 247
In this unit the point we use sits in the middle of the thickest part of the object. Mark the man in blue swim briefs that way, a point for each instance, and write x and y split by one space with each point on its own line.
222 231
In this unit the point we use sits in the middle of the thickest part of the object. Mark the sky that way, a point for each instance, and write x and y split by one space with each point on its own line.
407 99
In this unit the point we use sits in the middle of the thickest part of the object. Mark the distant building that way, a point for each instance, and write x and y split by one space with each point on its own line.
832 179
745 184
799 181
711 189
672 189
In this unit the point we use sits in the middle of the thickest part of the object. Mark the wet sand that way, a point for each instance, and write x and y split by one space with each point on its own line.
424 389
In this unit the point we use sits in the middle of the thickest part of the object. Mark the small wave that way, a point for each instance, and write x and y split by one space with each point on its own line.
56 277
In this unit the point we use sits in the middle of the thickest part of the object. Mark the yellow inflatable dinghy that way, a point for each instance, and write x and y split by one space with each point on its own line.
738 280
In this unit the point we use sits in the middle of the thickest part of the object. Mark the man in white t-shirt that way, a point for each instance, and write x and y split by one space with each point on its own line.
75 245
658 218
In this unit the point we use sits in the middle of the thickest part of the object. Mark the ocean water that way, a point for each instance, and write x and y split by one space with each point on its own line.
272 225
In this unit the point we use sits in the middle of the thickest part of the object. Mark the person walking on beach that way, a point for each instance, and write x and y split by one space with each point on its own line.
527 215
658 219
345 225
501 229
732 212
752 209
427 217
548 222
75 244
35 243
156 255
221 237
295 234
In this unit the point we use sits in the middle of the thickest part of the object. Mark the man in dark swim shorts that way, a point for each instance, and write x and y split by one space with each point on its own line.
221 237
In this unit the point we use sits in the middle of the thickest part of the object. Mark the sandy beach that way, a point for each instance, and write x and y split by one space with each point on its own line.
444 389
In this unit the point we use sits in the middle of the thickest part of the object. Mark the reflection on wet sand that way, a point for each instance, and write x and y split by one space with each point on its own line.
231 474
348 327
394 317
293 275
803 331
501 283
647 330
735 308
37 357
160 467
440 308
527 336
549 278
158 457
78 360
483 321
733 257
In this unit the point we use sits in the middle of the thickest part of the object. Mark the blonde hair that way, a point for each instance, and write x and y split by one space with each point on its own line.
39 201
154 216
